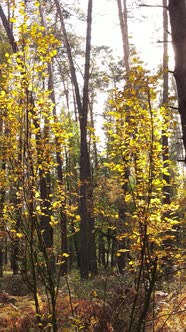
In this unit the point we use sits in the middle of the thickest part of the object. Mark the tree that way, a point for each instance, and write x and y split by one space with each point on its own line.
59 161
30 159
145 225
124 208
177 14
165 141
87 237
123 18
44 175
4 48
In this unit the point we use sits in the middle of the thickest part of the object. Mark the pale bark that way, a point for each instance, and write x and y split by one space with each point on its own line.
123 209
123 18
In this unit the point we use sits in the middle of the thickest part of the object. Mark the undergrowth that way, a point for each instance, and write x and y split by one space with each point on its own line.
101 304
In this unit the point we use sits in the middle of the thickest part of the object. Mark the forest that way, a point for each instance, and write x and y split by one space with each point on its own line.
92 166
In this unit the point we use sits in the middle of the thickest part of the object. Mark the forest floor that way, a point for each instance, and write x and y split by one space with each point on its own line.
88 306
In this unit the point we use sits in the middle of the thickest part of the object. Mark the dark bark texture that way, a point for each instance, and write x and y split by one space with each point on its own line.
165 141
87 237
177 13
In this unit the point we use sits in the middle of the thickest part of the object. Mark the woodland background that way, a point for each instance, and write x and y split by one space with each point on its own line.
92 204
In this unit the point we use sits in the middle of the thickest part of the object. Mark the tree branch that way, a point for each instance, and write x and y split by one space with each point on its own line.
8 30
163 41
152 6
173 107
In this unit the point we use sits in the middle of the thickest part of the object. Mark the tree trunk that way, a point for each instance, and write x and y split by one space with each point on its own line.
168 243
123 19
15 244
177 13
87 240
86 186
44 185
102 251
165 142
2 200
8 30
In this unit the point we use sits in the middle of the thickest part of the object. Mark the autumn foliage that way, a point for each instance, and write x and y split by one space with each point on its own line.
115 213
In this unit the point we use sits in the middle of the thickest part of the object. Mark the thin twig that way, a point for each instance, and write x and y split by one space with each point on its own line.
171 313
163 41
152 6
164 315
70 295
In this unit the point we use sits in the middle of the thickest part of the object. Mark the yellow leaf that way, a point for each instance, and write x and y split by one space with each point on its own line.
123 250
13 20
66 255
19 235
37 4
93 293
3 93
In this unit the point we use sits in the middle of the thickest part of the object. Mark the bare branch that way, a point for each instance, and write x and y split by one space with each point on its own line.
163 41
8 30
152 6
173 107
181 160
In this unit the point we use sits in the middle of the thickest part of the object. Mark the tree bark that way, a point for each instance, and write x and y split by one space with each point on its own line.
177 14
86 186
8 30
87 239
123 18
165 142
122 13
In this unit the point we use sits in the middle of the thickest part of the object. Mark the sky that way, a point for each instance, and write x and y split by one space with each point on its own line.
145 30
